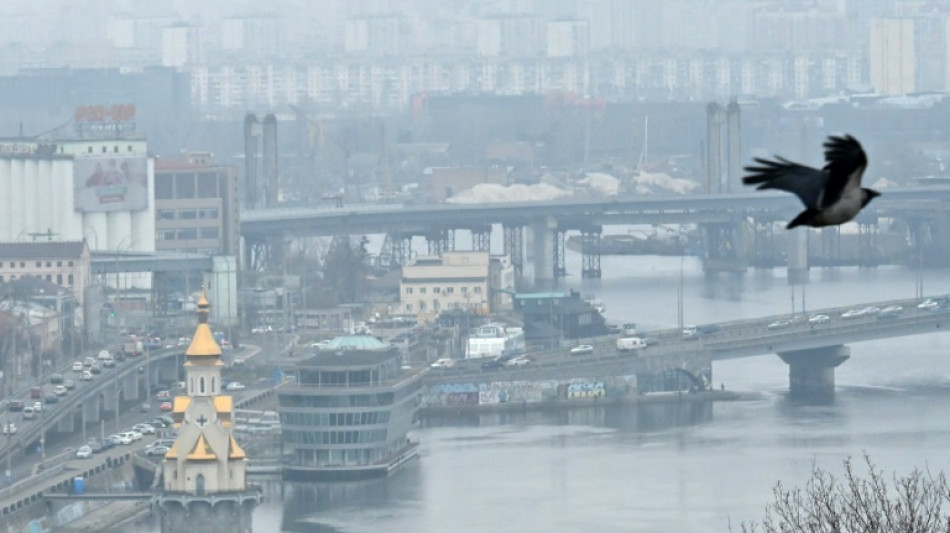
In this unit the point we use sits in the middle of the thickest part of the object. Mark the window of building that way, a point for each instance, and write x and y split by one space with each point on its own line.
408 307
165 214
70 263
1 279
435 290
464 290
49 278
12 264
115 149
128 148
89 150
422 306
164 188
408 290
22 264
201 385
207 185
209 233
59 263
70 278
436 306
187 214
185 185
59 279
450 290
104 149
49 264
39 264
187 234
208 213
478 290
212 385
165 235
422 290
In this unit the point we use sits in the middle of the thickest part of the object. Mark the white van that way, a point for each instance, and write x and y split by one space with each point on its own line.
630 343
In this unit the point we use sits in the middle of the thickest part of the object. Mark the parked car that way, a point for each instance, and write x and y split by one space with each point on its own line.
819 319
96 446
234 385
134 435
121 438
84 452
779 324
165 406
158 423
156 450
144 429
582 349
445 362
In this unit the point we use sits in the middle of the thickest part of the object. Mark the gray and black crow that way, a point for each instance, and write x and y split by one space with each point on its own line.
832 195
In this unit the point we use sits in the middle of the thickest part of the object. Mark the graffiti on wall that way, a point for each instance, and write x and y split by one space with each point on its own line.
583 389
514 391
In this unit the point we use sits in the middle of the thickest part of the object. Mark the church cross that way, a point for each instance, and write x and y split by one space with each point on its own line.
201 420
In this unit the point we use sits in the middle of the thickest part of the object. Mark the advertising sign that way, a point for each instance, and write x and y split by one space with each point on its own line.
111 183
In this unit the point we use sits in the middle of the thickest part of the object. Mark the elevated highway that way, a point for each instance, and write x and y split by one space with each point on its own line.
736 227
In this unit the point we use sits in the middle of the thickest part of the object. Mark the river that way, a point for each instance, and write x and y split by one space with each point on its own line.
696 468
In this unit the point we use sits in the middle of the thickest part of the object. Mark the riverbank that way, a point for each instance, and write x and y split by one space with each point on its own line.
112 517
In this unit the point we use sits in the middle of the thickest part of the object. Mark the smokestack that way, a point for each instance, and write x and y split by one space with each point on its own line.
713 147
252 130
735 146
269 160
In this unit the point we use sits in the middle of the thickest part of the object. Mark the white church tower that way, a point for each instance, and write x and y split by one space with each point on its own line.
204 471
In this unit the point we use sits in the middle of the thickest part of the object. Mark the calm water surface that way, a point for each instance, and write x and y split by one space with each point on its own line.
662 467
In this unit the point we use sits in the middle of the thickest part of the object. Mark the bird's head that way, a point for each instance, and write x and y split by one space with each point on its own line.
867 195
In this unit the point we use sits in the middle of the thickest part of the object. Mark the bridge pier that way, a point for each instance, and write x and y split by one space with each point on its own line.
130 386
90 410
726 246
542 240
65 424
481 238
811 372
590 252
514 247
439 241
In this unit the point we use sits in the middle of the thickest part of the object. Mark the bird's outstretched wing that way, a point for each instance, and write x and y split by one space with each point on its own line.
845 164
805 182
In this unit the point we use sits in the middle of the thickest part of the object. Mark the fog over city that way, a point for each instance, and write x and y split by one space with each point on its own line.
470 265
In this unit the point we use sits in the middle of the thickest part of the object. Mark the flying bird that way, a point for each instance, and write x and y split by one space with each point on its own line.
832 195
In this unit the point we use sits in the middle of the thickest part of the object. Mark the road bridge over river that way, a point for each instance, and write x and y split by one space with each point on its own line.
812 349
736 227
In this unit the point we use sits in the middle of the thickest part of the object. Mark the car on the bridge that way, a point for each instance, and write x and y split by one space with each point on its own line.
928 304
234 385
165 406
121 438
69 384
86 375
77 366
891 311
56 379
495 362
819 319
9 428
144 429
853 313
84 452
16 405
60 390
582 349
780 324
871 310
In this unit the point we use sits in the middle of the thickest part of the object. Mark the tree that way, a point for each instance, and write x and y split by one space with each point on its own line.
345 269
856 504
